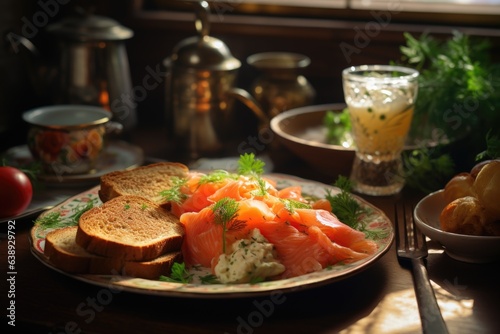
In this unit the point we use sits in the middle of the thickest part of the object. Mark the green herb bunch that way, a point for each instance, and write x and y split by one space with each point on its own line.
458 86
427 170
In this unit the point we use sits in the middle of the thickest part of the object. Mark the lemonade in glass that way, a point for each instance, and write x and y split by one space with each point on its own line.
380 99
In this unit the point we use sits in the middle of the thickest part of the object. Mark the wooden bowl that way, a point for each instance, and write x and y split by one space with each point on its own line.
301 130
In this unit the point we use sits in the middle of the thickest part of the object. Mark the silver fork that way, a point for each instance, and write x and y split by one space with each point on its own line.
411 247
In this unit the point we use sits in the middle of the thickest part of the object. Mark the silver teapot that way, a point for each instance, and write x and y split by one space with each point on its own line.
91 65
200 91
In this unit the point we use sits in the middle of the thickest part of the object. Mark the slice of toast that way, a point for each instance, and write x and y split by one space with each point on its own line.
130 228
145 181
64 253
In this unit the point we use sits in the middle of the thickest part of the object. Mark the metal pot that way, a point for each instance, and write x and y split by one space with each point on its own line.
200 90
92 65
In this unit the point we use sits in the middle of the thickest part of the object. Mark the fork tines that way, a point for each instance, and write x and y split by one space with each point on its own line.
410 242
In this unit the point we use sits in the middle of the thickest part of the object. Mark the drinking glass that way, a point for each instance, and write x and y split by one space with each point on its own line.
380 99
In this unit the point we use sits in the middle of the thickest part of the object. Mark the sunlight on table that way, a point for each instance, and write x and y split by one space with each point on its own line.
398 313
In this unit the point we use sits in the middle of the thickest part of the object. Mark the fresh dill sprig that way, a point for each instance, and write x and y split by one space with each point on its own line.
174 194
51 220
291 205
178 274
248 165
261 187
225 213
54 220
343 183
376 234
343 204
216 176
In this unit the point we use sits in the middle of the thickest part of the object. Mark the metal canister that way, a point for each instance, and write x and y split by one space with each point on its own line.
200 73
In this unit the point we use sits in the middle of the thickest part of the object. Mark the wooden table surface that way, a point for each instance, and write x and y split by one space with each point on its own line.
379 299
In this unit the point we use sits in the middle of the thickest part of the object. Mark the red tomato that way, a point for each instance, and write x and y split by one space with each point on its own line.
16 191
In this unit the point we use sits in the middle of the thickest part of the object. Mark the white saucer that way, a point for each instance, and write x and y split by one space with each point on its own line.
117 155
53 189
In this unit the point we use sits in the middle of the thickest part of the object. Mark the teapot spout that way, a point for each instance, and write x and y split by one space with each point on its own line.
249 101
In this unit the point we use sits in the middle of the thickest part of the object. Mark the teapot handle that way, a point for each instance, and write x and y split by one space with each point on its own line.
248 100
202 22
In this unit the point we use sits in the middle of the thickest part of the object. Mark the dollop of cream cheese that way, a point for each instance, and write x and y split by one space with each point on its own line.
252 258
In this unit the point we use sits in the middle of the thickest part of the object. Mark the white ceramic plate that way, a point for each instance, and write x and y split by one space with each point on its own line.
378 222
466 248
43 199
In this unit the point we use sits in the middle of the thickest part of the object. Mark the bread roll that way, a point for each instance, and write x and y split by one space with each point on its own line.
459 186
487 189
464 215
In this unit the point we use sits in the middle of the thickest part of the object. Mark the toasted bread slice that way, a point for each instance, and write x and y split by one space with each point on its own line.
64 253
145 181
131 228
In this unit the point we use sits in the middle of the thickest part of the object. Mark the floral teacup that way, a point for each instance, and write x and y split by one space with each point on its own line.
68 139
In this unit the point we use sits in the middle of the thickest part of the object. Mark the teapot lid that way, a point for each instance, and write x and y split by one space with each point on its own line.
89 27
204 52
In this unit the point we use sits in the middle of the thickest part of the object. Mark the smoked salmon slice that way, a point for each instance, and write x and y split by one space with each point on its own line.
306 239
202 239
336 231
303 253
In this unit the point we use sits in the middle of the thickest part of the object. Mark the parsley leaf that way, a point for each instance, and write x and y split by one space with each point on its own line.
249 165
209 279
179 274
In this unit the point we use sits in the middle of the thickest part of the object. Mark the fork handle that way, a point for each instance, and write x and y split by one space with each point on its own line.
430 314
